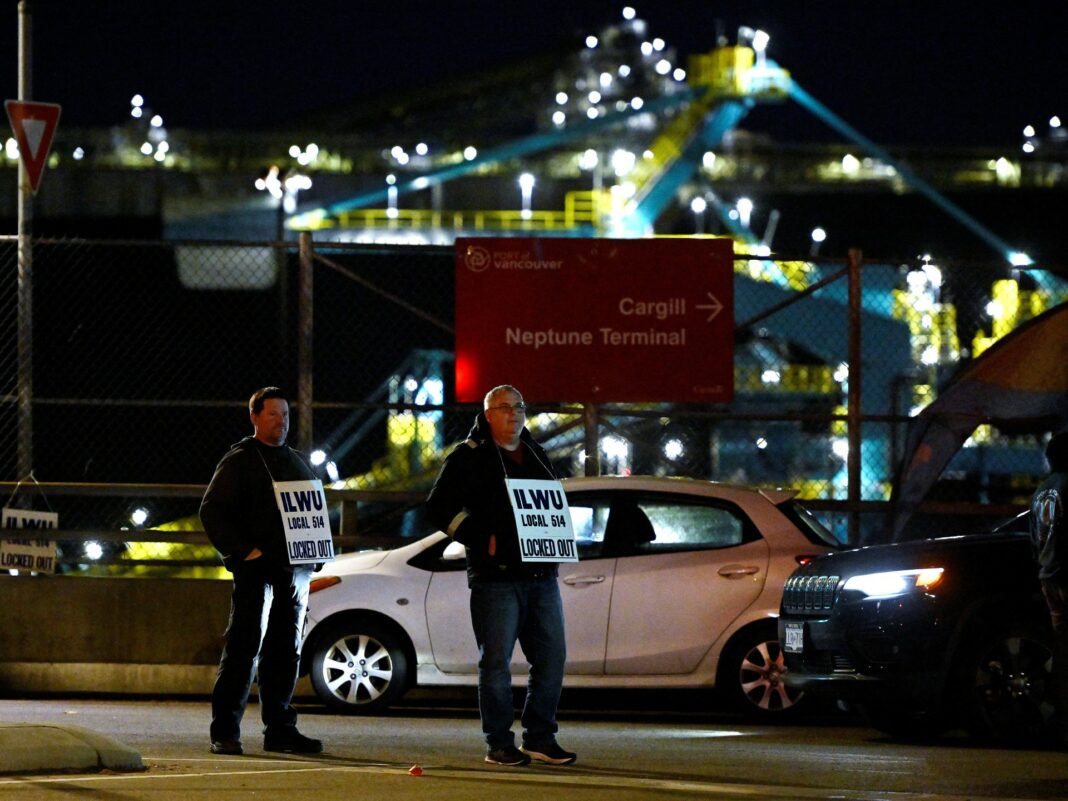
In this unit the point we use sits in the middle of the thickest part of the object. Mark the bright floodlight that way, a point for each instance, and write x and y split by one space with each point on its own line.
526 182
422 149
1019 259
1028 147
470 153
561 98
760 41
594 97
317 457
819 235
761 443
156 121
636 103
137 100
745 210
673 449
698 205
1029 130
331 471
1054 122
663 66
559 118
139 516
628 12
658 44
591 42
93 550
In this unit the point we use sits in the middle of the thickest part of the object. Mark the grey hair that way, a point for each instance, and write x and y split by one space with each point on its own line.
498 390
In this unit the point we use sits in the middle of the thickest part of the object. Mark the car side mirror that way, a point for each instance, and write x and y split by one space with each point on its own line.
454 551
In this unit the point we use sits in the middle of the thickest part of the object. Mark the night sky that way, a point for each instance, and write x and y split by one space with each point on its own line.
914 72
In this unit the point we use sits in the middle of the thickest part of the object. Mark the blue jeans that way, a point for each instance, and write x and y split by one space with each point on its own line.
266 623
1057 600
532 613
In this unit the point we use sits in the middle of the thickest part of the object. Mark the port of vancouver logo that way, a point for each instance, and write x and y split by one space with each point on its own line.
477 259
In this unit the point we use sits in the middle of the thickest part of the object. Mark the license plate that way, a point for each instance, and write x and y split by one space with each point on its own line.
795 638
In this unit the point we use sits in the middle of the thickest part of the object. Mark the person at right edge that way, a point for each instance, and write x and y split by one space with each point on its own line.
1049 542
510 600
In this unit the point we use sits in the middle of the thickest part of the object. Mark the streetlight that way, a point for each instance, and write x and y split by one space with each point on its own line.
698 206
819 236
745 211
526 186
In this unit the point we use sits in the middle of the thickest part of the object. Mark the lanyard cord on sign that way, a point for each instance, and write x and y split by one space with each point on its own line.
311 473
32 478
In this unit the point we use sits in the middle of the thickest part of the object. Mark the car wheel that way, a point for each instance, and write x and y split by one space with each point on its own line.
358 668
752 676
1005 684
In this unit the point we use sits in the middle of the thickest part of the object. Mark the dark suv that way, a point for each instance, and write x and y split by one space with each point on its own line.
927 636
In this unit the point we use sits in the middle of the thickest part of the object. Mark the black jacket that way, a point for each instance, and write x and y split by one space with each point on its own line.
239 510
469 501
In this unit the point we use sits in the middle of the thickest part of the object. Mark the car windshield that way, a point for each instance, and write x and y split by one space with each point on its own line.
808 524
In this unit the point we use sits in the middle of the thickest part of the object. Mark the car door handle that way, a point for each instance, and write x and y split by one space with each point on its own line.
573 580
737 571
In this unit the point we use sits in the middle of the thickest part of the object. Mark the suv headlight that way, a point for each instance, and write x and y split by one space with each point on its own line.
893 582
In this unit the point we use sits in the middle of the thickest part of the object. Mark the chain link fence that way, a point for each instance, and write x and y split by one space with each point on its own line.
126 368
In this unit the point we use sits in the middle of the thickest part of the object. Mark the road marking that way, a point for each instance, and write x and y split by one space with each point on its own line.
572 776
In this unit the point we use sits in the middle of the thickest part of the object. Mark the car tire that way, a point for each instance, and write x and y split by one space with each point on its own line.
358 668
1004 683
751 676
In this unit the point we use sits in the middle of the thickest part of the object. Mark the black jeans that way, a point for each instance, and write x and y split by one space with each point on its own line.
258 585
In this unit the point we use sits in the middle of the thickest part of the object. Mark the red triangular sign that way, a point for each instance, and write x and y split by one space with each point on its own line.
34 125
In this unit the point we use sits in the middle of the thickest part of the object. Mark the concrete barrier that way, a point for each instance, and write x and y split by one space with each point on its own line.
136 636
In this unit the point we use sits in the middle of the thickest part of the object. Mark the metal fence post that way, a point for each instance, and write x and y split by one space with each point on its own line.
25 262
590 416
853 463
305 328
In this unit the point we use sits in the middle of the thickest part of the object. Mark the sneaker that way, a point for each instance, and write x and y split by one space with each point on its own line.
292 742
229 747
507 755
551 754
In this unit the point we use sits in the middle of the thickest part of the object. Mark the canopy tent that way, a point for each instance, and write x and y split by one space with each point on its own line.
1020 383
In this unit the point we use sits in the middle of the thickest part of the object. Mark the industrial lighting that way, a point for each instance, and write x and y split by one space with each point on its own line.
526 187
591 42
470 153
317 457
673 449
698 205
139 516
93 550
561 98
1019 259
745 210
628 12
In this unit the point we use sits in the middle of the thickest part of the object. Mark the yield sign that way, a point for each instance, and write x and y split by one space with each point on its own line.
34 125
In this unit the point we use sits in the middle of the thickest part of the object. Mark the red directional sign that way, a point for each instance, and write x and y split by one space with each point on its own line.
34 125
605 320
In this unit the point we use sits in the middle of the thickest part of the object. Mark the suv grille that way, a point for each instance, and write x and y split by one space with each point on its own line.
809 593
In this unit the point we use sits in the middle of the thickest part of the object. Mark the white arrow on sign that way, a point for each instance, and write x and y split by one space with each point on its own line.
715 306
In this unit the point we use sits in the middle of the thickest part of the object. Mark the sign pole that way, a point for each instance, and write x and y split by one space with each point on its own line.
25 257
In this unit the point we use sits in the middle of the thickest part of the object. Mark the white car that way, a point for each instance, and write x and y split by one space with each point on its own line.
678 585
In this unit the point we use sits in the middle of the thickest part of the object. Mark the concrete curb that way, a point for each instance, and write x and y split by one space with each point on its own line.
32 748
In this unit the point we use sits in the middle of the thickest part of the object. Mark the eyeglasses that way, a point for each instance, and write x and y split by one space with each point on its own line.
518 408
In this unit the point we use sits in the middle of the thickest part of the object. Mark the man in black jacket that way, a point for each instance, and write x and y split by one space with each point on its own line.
1049 541
242 519
510 599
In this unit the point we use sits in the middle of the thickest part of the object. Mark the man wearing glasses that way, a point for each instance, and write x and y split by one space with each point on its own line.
510 600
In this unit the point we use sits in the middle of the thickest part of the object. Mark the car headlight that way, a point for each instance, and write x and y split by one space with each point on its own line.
893 582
